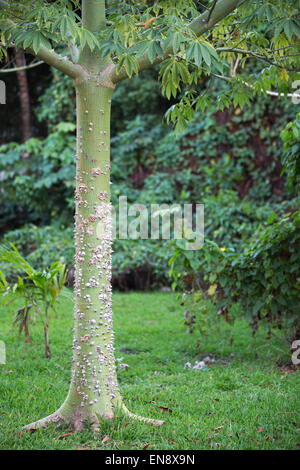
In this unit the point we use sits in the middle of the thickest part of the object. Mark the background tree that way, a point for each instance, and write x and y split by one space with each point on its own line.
24 94
107 45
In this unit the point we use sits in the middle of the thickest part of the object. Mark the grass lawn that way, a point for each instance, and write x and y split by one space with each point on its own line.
242 401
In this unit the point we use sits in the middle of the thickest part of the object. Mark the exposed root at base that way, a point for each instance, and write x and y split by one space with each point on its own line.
156 422
42 423
78 419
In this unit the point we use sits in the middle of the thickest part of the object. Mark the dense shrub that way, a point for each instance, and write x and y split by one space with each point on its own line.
37 179
261 271
263 277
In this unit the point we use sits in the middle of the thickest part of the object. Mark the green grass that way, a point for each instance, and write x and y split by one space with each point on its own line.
244 401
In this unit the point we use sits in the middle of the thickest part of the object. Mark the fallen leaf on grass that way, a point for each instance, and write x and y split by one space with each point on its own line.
65 435
165 410
105 439
146 446
171 441
32 430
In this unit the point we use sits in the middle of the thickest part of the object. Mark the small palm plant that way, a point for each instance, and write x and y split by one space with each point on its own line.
39 290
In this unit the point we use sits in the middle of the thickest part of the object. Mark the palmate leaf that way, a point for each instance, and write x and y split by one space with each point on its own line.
205 54
194 54
34 39
15 259
86 37
130 63
154 49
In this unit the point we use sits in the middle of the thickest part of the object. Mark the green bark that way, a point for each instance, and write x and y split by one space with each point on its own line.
94 387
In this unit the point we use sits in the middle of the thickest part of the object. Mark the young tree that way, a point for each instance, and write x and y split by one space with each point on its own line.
107 44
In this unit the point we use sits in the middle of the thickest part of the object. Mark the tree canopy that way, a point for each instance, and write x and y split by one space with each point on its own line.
188 40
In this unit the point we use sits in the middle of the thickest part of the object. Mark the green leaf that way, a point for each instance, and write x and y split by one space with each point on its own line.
205 54
197 55
36 41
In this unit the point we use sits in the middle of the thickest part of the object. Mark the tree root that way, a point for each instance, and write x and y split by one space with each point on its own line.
55 417
78 418
156 422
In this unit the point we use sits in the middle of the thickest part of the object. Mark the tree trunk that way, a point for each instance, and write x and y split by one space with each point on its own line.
94 388
26 330
24 95
47 347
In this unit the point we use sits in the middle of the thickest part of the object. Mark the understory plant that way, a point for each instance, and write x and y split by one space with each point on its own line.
38 290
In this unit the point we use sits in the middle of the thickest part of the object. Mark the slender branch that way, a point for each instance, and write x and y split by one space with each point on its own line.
257 56
199 26
203 6
268 92
211 10
26 67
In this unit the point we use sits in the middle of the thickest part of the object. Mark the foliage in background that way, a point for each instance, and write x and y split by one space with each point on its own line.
261 273
40 186
228 160
291 153
263 277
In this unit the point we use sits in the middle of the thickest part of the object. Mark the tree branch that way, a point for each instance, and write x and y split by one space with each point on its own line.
59 62
268 92
221 10
18 69
55 60
199 26
256 55
211 10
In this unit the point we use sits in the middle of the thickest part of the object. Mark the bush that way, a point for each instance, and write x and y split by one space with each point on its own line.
263 278
38 178
260 271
